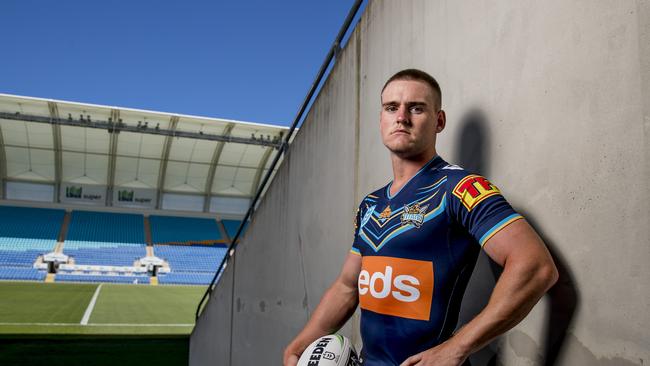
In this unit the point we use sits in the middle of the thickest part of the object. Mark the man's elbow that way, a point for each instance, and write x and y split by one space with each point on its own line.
547 275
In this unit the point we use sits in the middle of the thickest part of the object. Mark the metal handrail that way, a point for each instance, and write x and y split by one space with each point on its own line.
333 52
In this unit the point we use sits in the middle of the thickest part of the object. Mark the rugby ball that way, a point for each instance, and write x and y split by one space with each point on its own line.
330 350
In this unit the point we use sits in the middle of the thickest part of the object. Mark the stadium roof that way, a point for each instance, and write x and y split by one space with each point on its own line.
112 148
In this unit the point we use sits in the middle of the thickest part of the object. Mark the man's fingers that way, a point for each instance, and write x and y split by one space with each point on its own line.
292 361
412 360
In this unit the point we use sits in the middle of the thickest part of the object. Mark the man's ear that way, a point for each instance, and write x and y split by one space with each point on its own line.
441 121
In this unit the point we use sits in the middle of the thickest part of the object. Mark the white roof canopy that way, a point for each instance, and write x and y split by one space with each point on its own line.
57 142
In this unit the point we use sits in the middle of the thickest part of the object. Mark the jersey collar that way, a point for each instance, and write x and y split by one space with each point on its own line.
436 160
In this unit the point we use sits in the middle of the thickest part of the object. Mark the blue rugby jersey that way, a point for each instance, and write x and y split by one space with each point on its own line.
418 248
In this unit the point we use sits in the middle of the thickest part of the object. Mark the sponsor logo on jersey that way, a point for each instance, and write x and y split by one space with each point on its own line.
385 214
396 286
367 215
414 214
473 189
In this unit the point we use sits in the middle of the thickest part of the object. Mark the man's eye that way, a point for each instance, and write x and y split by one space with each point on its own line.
390 108
416 109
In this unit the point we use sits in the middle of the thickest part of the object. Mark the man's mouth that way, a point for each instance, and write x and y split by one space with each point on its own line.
400 131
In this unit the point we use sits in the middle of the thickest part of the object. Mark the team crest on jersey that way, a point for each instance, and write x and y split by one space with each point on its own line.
414 214
385 214
367 215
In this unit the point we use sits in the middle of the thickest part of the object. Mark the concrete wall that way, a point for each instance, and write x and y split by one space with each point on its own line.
550 100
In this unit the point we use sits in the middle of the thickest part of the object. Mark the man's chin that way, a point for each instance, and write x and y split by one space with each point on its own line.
403 152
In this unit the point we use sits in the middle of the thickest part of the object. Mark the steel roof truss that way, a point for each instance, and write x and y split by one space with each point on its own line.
213 167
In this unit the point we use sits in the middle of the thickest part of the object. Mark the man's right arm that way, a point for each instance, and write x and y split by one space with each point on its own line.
335 308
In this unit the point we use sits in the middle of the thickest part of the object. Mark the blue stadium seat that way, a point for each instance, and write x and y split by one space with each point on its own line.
108 239
190 265
20 273
25 234
64 277
31 223
185 278
231 227
106 227
103 253
172 229
191 258
105 239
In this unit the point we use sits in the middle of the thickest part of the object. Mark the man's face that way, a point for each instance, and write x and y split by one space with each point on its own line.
410 118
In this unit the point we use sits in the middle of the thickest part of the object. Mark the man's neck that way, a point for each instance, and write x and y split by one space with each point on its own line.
405 169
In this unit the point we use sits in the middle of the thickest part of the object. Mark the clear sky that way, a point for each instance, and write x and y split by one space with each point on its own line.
251 60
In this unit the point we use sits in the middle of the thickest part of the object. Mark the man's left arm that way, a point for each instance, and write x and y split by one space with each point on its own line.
528 272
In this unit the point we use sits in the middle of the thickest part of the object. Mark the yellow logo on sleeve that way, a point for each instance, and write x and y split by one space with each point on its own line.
473 189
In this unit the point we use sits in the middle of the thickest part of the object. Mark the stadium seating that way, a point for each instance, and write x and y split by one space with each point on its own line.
106 227
21 273
111 240
191 258
105 239
171 229
31 223
22 252
25 234
231 227
187 278
64 277
190 265
104 254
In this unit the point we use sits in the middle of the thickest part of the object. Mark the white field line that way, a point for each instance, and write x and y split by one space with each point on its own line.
101 325
91 306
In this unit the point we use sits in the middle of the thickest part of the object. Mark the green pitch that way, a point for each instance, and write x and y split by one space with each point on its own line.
41 324
59 308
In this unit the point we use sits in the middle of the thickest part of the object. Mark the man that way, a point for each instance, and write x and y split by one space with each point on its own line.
416 243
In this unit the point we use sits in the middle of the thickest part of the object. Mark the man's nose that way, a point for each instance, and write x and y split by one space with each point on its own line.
403 115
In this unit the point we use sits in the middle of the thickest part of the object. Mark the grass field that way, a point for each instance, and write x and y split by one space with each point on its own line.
59 308
58 324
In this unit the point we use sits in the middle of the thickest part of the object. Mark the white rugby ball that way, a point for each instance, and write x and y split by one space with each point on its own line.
330 350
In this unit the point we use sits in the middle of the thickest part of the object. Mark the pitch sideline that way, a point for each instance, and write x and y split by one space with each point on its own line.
102 324
91 306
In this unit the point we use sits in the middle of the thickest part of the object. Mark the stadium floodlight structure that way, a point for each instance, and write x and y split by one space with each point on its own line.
76 153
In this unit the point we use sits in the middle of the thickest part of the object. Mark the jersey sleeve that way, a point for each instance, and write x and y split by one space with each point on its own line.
356 248
366 208
478 205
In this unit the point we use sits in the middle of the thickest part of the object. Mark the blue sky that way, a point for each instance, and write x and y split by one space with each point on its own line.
245 60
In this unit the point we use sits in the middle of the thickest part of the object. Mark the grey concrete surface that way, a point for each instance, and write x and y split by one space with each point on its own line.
550 100
210 339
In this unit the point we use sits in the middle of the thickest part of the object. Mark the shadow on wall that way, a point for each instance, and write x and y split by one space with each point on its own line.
472 150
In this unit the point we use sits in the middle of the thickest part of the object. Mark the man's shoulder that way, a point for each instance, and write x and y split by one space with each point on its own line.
374 196
456 180
450 173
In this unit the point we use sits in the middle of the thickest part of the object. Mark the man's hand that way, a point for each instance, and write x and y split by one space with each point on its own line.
335 308
528 272
290 357
444 354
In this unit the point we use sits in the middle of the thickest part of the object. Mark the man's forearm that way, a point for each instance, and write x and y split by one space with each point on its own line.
519 288
335 308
